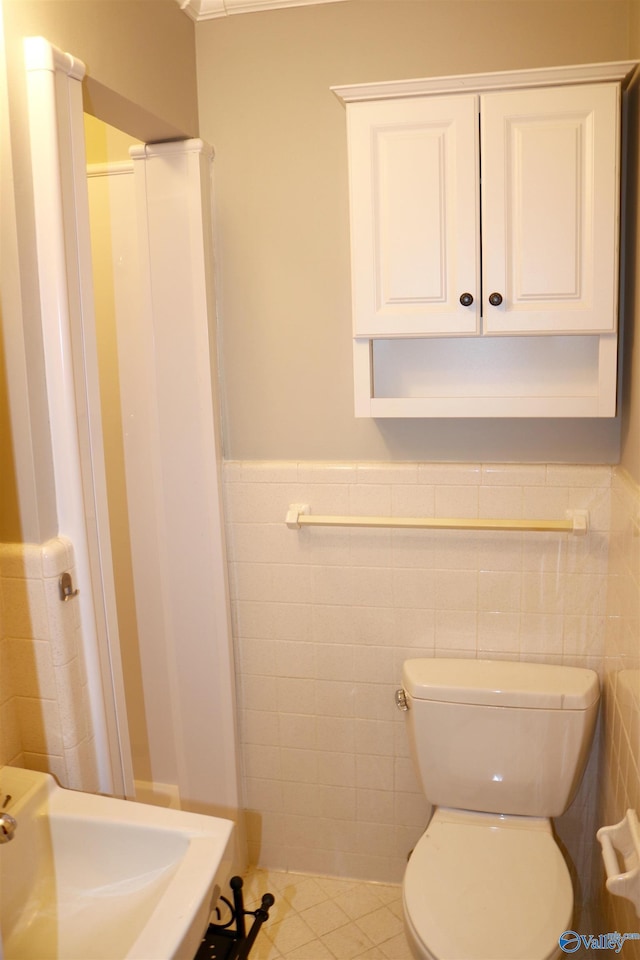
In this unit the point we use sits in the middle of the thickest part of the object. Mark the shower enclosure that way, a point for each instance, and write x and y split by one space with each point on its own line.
171 440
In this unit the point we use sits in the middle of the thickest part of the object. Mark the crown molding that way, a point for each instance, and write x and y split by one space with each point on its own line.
210 9
619 71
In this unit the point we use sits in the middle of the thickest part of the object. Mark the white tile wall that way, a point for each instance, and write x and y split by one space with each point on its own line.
323 619
44 720
620 775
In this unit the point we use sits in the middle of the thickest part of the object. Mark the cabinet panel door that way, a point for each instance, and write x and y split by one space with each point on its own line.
414 216
550 209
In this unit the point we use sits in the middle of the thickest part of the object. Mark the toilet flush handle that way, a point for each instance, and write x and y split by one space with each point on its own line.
401 700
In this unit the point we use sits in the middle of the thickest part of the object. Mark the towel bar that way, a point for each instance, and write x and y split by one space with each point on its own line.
576 522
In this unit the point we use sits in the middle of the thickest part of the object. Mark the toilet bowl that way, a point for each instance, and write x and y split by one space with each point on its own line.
500 749
485 887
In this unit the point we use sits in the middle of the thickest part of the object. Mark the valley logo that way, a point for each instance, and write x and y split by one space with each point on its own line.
570 941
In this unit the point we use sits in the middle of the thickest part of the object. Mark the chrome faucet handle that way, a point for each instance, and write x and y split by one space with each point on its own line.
8 827
8 824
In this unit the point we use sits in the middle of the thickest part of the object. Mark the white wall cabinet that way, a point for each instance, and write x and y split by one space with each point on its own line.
550 201
486 208
415 216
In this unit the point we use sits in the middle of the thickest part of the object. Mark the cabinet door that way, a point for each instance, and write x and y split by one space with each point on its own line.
414 216
550 209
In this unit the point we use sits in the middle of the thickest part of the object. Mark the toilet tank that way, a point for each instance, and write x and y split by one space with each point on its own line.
500 736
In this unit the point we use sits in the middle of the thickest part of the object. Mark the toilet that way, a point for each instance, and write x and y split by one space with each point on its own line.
499 748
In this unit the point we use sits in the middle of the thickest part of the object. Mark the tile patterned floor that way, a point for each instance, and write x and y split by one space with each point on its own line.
322 918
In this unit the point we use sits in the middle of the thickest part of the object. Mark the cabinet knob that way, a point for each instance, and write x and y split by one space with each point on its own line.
466 299
495 299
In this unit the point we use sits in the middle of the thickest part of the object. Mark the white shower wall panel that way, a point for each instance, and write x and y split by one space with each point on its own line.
324 617
159 400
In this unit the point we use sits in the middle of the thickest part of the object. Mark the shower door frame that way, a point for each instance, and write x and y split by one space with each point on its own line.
55 114
195 586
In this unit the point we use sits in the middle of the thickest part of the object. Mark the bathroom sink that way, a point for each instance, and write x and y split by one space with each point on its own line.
94 878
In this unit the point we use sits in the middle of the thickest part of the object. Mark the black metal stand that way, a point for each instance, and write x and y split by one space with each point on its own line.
220 942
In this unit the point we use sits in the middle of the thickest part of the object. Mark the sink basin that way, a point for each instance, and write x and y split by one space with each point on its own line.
94 878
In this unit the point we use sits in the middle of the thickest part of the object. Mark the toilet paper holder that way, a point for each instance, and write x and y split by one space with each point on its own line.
621 854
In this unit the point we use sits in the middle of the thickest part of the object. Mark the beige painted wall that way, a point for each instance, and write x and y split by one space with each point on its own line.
105 144
25 449
140 58
281 184
142 52
9 512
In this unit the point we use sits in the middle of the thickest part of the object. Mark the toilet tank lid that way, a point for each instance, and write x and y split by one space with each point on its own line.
501 683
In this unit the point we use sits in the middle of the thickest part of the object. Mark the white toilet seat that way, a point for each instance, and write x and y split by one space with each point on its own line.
485 887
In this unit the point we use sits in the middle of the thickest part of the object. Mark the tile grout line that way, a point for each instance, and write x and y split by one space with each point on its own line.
325 918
